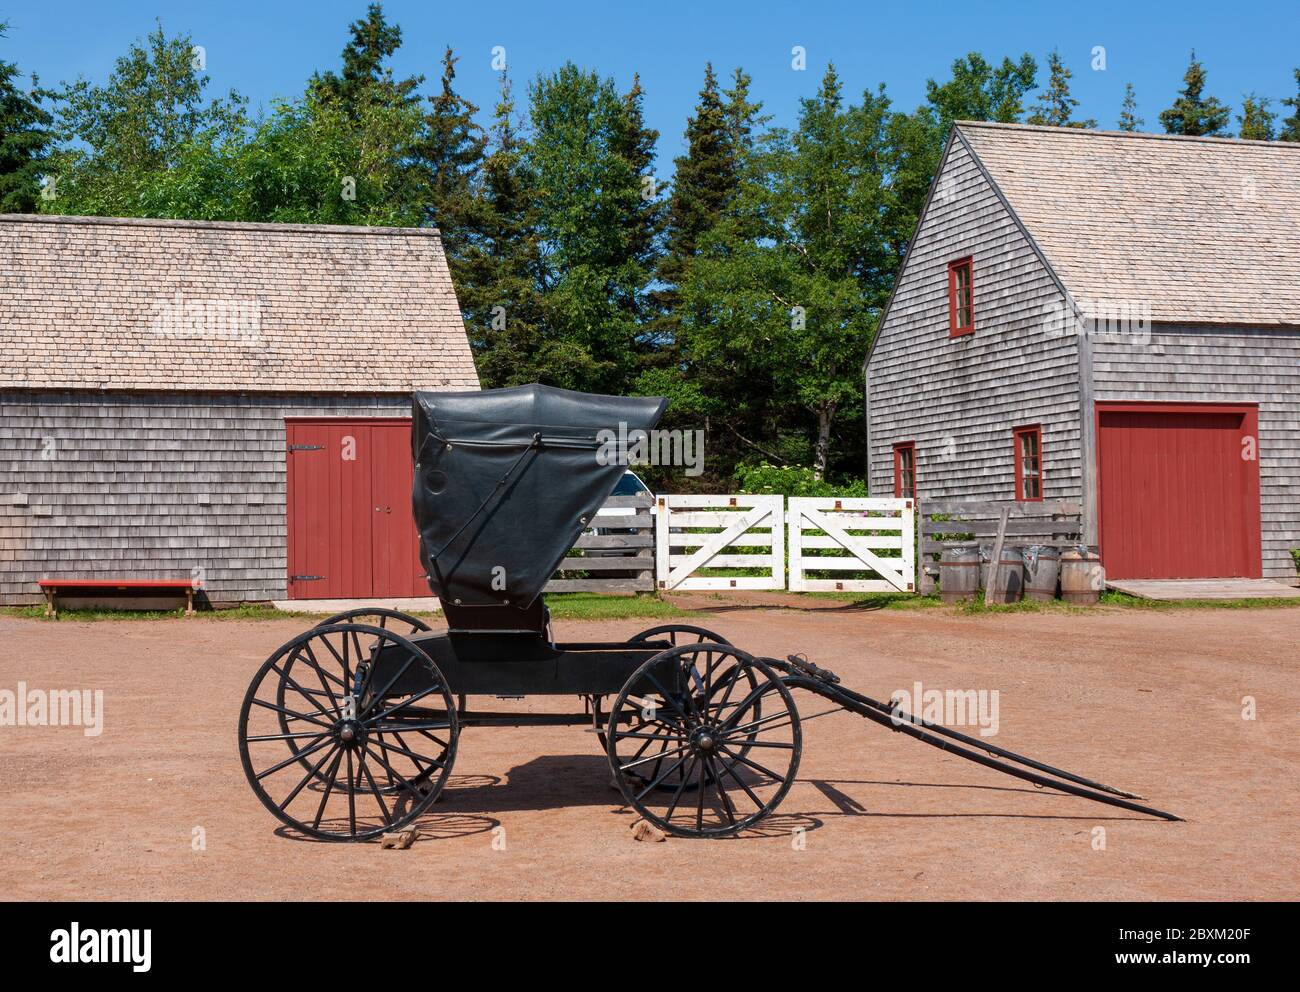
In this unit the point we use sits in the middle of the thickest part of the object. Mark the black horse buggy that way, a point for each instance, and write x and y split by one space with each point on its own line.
351 729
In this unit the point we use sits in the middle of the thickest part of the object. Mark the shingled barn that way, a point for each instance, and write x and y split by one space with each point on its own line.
1111 319
227 403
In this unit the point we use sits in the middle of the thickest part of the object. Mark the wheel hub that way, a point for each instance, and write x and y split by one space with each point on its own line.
705 739
350 734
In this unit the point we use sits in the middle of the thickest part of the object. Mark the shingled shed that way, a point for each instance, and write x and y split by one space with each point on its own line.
1111 319
228 402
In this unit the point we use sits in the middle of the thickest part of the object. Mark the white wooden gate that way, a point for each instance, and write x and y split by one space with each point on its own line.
852 538
717 542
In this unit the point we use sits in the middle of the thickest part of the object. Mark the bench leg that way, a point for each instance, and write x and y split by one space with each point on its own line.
189 601
51 607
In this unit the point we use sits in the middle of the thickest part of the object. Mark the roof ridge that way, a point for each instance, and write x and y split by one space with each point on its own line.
1097 132
215 225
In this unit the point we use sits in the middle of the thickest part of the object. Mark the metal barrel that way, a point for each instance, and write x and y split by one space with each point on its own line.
959 573
1008 581
1042 570
1082 576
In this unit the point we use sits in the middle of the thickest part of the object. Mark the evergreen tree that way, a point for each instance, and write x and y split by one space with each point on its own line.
704 180
1128 118
1056 106
449 156
1193 113
1255 119
500 274
645 215
25 140
366 75
1291 125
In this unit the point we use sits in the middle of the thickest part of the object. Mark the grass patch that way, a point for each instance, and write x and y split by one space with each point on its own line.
564 606
600 606
246 611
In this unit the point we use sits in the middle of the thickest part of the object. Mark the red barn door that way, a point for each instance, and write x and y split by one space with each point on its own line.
350 529
1179 491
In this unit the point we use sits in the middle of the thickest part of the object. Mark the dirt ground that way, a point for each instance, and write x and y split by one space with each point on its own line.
1147 701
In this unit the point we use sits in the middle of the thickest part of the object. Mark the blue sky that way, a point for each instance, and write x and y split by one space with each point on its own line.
268 49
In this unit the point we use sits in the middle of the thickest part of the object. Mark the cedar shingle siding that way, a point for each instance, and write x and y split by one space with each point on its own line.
1197 236
138 449
958 398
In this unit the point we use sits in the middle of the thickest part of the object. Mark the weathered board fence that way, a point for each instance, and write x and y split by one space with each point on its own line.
839 544
616 554
970 523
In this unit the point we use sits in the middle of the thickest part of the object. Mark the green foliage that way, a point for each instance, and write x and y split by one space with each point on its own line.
148 117
978 91
764 479
1295 557
365 76
1291 125
1128 118
1056 106
1256 120
25 139
1193 113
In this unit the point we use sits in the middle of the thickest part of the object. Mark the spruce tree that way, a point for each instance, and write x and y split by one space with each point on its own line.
1128 118
498 286
1291 125
366 74
703 180
25 140
1193 113
643 221
1056 106
1255 119
448 157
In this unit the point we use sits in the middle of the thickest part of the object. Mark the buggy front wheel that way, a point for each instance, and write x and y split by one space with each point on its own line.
340 746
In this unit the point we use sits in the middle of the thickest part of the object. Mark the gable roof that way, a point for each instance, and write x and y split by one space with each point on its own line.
1202 230
116 303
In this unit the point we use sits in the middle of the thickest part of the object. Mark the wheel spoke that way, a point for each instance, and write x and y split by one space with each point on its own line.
287 678
296 756
292 713
332 775
722 792
311 773
379 797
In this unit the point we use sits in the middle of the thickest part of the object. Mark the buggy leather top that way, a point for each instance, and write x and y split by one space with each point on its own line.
507 479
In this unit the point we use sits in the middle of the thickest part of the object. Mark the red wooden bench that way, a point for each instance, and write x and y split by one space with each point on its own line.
52 587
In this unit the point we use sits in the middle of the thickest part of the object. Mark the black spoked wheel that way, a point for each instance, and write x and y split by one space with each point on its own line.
677 634
714 725
394 620
339 747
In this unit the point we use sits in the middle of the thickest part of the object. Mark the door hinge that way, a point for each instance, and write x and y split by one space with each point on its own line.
306 447
305 578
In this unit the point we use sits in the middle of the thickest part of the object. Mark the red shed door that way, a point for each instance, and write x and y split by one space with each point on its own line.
1179 491
350 530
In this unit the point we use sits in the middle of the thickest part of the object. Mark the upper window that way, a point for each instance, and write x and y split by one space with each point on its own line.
905 470
1029 463
961 301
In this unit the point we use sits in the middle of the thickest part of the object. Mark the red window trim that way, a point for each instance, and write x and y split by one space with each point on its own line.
967 263
898 467
1016 434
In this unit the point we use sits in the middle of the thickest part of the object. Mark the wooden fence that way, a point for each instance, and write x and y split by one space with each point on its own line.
616 554
852 544
720 542
971 523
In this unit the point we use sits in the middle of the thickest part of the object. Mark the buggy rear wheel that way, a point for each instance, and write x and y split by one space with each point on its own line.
677 634
394 620
695 717
377 742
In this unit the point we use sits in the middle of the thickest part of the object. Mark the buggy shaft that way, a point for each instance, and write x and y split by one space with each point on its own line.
905 723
